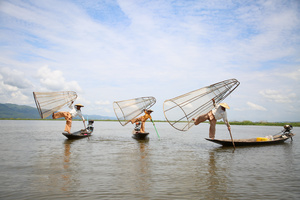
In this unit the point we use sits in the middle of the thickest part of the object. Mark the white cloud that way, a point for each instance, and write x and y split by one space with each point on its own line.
295 75
250 107
13 86
14 78
278 96
19 97
12 94
125 49
55 81
102 103
6 87
255 106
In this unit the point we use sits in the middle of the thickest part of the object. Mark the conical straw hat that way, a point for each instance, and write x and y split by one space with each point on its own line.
225 105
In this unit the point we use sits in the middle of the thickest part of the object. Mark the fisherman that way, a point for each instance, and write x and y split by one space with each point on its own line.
75 110
217 113
143 119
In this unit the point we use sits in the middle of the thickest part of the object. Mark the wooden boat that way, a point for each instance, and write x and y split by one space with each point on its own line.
137 134
140 136
81 133
276 139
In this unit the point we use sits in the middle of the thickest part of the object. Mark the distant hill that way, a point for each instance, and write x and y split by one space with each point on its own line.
15 111
18 111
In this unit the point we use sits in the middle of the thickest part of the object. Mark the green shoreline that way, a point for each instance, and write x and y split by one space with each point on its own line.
247 123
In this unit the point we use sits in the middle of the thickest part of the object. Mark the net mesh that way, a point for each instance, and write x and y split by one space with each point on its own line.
50 102
180 111
127 110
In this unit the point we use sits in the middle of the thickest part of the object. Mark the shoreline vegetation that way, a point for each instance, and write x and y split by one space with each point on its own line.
246 123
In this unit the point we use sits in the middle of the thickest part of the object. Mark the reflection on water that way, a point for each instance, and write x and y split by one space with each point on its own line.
140 170
216 178
112 165
66 165
54 170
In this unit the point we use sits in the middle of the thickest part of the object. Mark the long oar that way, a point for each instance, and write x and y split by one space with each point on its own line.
232 139
87 120
84 124
155 128
86 130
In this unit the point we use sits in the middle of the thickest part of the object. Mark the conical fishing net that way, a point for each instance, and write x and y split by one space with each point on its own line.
50 102
127 110
180 111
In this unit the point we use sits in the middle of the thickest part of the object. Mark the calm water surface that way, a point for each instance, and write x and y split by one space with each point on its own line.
38 162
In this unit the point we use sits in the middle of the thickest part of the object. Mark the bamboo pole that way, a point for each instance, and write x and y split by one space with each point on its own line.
231 139
155 129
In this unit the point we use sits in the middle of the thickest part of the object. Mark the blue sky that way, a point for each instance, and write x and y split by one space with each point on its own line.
115 50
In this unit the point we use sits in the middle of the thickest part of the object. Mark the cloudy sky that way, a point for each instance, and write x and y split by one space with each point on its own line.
111 50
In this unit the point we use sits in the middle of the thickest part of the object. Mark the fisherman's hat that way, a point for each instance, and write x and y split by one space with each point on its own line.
225 105
79 105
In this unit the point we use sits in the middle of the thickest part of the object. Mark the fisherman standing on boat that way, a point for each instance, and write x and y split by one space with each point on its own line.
143 119
219 112
75 110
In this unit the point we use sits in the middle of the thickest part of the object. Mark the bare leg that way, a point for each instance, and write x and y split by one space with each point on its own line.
212 128
143 127
59 115
68 118
200 119
68 123
136 120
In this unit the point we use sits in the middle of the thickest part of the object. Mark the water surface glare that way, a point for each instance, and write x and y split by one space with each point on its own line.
38 162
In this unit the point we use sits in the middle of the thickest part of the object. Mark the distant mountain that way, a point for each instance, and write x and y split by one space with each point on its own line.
18 111
15 111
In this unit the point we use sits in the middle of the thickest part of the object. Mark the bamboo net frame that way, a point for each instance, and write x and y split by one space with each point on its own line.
50 102
180 111
127 110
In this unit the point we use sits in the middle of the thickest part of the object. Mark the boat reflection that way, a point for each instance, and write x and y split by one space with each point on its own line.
141 167
66 175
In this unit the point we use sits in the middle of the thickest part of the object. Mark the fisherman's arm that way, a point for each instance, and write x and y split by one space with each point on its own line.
228 126
226 121
214 102
81 116
71 105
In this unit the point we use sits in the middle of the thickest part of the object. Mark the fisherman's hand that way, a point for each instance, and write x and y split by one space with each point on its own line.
214 102
229 128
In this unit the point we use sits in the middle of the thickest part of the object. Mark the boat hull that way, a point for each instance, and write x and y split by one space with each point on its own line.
81 133
77 134
140 136
252 141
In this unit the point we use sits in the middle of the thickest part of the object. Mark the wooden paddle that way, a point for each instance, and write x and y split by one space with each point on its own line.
155 128
86 130
232 139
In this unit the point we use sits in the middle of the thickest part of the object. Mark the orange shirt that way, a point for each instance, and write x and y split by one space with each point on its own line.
146 116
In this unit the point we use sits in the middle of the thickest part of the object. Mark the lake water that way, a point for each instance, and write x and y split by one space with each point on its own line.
38 162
